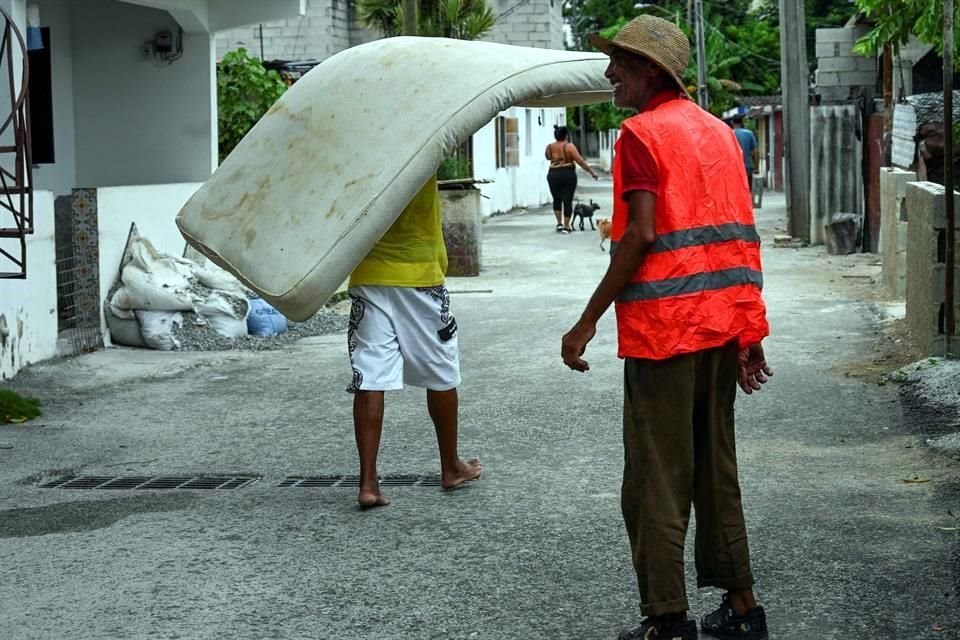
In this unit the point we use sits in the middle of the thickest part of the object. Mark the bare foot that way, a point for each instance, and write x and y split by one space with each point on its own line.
464 472
368 499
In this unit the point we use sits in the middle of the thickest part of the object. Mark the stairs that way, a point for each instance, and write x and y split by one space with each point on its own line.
16 169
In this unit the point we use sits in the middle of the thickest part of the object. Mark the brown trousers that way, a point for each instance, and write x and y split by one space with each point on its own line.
678 437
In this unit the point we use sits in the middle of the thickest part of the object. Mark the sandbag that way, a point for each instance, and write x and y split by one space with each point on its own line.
157 282
124 327
263 320
320 178
157 327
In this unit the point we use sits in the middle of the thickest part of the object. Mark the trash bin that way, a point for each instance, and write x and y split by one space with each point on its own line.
460 206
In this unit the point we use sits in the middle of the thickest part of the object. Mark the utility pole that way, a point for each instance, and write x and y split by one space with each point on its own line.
948 177
794 79
887 102
703 97
409 17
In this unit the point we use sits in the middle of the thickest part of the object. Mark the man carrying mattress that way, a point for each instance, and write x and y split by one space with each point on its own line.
401 331
685 275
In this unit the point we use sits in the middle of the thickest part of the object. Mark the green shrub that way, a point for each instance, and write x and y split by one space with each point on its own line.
245 91
455 167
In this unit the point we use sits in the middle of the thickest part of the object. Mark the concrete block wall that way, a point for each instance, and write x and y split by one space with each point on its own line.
925 267
330 26
893 228
534 23
840 72
324 30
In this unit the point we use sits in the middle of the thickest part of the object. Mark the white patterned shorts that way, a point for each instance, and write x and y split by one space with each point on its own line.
402 335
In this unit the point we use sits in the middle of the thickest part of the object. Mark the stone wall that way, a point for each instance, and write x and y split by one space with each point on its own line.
893 228
926 240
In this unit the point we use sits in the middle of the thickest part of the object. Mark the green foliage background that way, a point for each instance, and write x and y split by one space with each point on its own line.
245 91
460 19
897 20
742 42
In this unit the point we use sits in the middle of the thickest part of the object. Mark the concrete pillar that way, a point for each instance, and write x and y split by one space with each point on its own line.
462 230
893 228
926 242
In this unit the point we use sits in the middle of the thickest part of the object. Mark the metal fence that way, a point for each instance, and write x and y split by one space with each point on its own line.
836 172
78 288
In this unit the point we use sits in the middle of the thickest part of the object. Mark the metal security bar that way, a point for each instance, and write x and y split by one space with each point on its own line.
78 316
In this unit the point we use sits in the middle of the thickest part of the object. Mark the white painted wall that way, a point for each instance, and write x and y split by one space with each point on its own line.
29 307
608 141
61 176
523 186
139 121
153 209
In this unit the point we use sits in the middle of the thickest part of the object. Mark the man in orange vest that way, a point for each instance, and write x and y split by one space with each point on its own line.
685 275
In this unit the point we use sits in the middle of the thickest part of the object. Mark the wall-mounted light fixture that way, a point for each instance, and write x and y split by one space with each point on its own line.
34 37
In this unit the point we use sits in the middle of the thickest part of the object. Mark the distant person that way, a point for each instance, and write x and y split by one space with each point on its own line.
562 176
685 276
401 332
748 144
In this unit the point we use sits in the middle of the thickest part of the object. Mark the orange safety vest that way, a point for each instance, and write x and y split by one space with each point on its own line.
699 286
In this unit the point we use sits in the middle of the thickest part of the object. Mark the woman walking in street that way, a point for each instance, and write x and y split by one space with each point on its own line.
562 176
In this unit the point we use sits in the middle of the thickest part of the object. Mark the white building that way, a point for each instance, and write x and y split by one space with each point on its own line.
124 130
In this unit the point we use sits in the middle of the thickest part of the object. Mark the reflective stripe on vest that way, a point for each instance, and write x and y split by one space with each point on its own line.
693 283
700 236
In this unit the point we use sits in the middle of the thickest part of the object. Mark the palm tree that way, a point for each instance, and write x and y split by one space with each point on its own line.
460 19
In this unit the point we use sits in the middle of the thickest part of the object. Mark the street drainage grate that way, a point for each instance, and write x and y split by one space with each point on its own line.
398 480
150 482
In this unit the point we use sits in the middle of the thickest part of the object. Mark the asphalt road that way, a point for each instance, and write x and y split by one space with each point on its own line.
842 546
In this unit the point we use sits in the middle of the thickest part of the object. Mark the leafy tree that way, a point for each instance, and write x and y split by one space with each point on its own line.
460 19
897 20
245 91
820 14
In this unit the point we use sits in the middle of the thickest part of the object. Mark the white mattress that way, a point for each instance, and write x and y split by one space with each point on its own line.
313 186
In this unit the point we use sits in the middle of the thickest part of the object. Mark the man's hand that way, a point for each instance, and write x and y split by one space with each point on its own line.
754 371
575 343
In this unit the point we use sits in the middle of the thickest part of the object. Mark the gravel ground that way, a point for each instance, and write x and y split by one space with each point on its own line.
194 337
931 401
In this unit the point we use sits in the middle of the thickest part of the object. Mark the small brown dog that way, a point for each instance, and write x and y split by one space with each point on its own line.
603 226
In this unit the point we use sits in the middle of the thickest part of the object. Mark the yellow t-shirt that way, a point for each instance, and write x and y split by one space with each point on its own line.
411 253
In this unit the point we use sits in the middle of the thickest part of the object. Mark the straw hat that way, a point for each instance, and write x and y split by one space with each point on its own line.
651 37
